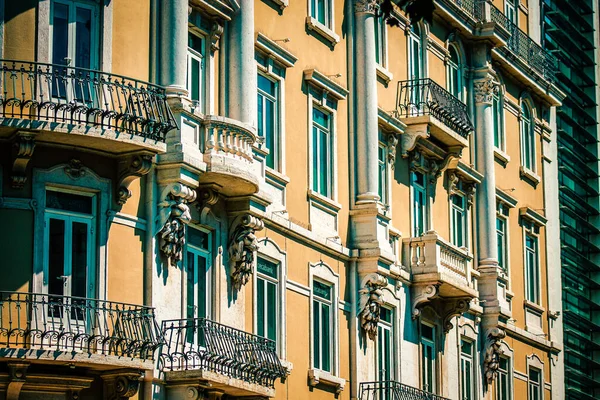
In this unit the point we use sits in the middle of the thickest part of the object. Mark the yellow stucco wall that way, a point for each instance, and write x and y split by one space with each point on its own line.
125 264
19 30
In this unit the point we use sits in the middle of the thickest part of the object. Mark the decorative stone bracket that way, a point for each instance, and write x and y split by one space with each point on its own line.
454 186
131 169
121 385
22 150
392 142
493 351
446 308
370 298
242 245
174 215
433 166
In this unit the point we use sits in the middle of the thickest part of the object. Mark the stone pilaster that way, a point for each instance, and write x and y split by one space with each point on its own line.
173 46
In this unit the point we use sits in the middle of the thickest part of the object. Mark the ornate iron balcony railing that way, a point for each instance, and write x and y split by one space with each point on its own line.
58 93
63 323
425 97
204 344
391 390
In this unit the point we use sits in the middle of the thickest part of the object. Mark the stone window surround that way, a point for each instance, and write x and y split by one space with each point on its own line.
389 125
531 222
533 361
509 202
392 302
454 41
81 179
508 353
437 367
326 31
210 305
500 154
105 33
424 40
526 173
269 250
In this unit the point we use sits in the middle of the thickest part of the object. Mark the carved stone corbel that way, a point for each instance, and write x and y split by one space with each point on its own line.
22 150
422 295
17 376
207 197
493 351
459 185
216 32
392 142
242 245
135 167
121 385
174 215
436 168
453 308
370 299
410 138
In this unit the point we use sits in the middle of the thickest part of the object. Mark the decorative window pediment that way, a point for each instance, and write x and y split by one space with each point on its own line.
323 83
275 51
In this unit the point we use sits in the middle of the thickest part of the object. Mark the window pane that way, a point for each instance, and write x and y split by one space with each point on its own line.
321 118
270 132
321 11
60 33
326 338
261 117
316 177
195 88
56 256
323 162
271 311
79 260
83 38
316 334
266 85
267 267
69 202
260 305
191 285
322 290
202 287
196 43
197 238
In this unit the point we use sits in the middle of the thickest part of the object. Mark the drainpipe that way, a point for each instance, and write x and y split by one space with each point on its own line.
353 330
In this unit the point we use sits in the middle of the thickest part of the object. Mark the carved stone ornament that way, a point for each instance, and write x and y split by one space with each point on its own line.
366 6
135 167
370 297
216 32
458 185
453 308
121 385
493 351
421 296
174 215
23 147
485 90
207 197
392 142
242 245
75 169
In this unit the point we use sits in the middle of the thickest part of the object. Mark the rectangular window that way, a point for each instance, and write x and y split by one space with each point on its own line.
510 10
503 381
458 220
466 370
534 384
267 299
383 174
322 326
268 108
74 32
498 115
321 168
419 209
532 269
380 44
197 273
428 358
195 69
502 236
320 10
385 346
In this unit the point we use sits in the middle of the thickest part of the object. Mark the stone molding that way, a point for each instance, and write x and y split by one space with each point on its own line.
22 150
131 169
120 385
371 300
446 308
174 215
242 247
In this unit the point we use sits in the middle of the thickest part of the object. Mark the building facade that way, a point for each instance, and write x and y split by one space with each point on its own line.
576 120
222 199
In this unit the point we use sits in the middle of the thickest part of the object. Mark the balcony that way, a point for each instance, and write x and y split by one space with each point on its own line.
232 361
89 332
83 108
394 391
441 275
227 149
430 111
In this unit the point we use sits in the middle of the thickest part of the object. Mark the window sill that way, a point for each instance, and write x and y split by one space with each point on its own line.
384 75
316 376
315 26
277 176
324 201
501 157
533 306
530 176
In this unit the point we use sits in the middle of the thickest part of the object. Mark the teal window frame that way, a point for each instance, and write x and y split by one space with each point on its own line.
322 324
454 77
198 262
458 220
504 379
380 41
415 54
502 236
386 368
321 11
322 152
467 369
532 268
428 358
196 69
528 151
267 298
534 384
383 174
511 10
420 202
268 119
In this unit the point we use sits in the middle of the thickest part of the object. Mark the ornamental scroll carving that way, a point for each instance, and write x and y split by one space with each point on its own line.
174 215
485 90
459 185
22 150
493 351
392 142
242 245
366 6
371 299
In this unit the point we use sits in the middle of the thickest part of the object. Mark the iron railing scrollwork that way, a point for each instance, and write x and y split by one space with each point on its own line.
193 344
64 323
391 390
425 97
63 94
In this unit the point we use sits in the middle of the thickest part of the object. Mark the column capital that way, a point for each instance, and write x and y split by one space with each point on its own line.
485 88
366 6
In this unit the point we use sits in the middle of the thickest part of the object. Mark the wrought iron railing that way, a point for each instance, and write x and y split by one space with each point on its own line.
425 97
467 6
498 17
58 93
63 323
192 344
391 390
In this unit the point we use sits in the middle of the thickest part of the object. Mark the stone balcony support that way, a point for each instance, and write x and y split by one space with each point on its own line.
173 46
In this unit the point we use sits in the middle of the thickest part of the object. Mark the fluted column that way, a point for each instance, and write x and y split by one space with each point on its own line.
173 45
241 67
366 102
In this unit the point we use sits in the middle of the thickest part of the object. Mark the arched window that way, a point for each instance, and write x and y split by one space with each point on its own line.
527 138
454 73
415 57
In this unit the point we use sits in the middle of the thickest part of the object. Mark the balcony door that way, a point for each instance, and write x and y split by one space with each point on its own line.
197 282
69 264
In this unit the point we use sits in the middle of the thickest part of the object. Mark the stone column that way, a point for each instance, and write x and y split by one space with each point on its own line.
173 46
241 67
367 140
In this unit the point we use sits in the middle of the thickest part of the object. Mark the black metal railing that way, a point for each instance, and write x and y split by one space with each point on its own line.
425 97
204 344
58 93
391 390
63 323
465 6
497 16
